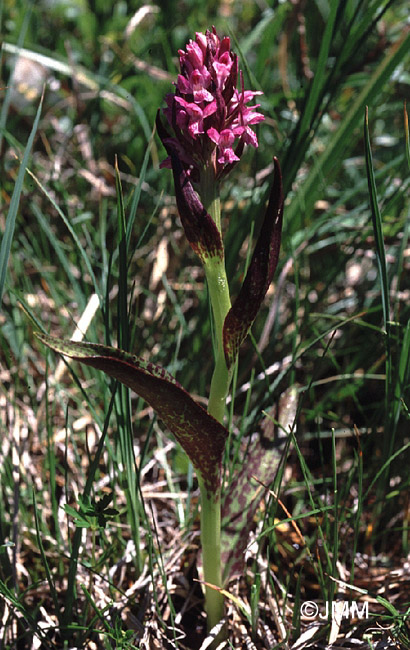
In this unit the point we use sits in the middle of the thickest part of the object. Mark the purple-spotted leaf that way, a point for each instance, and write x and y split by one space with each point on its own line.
245 493
260 273
199 434
200 229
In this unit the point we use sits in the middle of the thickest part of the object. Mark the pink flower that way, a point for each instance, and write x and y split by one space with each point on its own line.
208 115
195 54
221 70
225 140
196 115
249 117
197 85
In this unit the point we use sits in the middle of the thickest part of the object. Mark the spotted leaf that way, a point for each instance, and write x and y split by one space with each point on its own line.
200 229
199 434
260 273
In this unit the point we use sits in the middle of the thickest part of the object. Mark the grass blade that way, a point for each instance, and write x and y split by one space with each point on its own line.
50 581
72 571
406 131
14 204
311 106
122 403
72 233
377 225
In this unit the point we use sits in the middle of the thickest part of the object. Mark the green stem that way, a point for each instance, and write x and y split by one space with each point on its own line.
211 504
209 193
211 554
219 296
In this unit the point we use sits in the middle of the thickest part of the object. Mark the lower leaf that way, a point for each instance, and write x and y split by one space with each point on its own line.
199 434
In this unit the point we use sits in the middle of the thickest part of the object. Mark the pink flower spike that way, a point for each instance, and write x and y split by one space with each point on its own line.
207 107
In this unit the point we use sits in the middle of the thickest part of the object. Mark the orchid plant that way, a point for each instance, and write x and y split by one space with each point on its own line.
208 122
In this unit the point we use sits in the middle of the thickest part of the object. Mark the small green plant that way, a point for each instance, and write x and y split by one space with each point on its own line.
210 123
92 513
